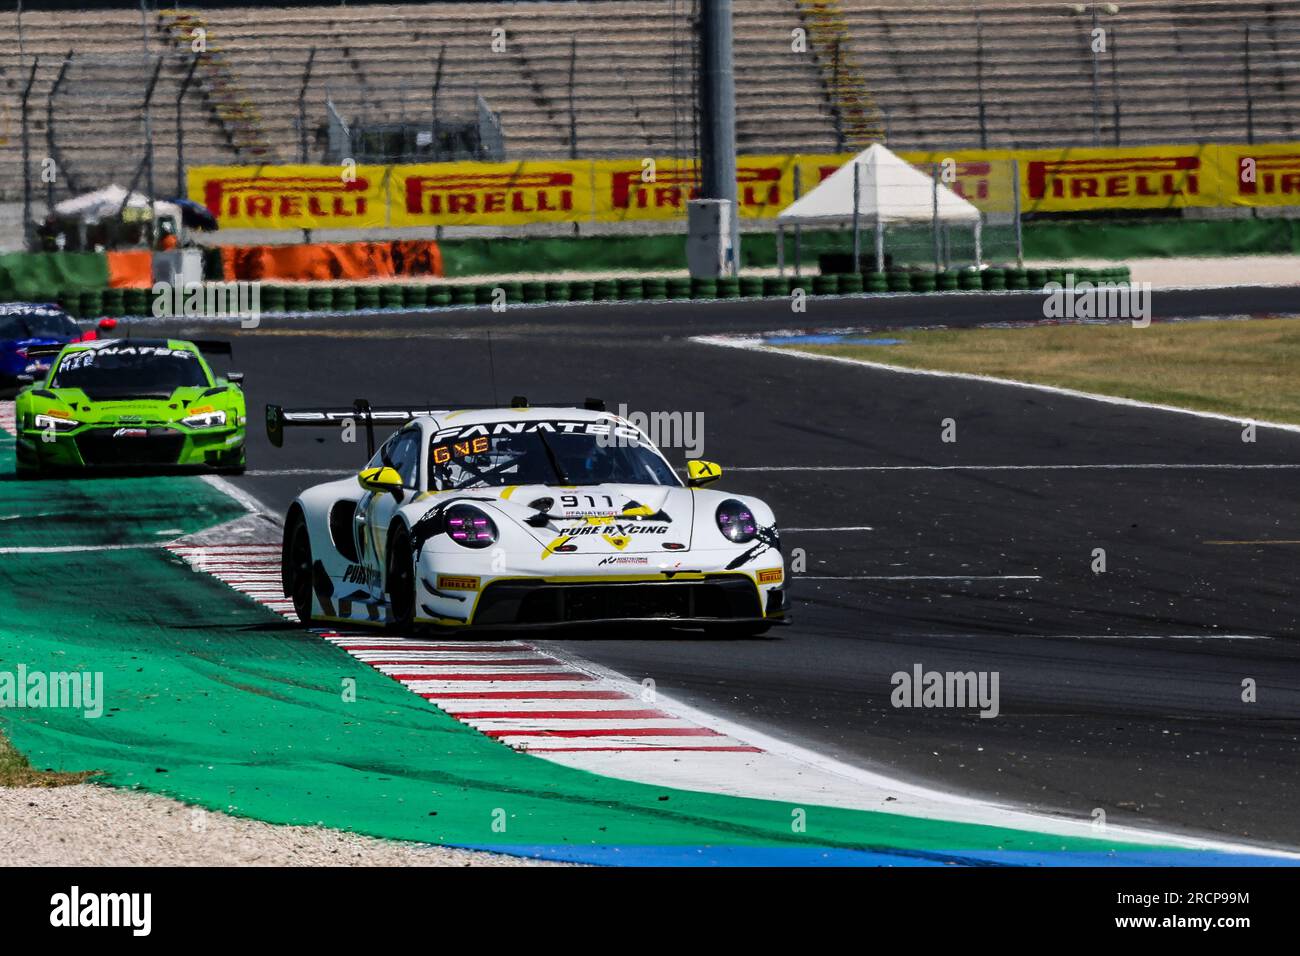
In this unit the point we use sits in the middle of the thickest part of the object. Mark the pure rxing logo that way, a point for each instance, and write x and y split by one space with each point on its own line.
683 430
1100 300
75 908
951 689
69 690
228 300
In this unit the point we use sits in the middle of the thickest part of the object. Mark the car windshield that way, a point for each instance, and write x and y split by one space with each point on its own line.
543 457
36 323
50 324
129 370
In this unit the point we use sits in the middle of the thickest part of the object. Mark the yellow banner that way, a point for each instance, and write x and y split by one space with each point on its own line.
490 194
508 194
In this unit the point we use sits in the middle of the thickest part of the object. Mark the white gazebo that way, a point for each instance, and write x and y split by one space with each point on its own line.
878 188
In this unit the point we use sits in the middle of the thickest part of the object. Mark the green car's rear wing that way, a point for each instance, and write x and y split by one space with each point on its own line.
279 418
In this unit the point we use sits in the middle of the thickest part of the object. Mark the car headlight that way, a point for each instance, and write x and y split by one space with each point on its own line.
470 527
205 419
736 521
43 422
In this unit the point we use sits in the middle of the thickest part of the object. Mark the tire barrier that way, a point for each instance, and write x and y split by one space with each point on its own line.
304 297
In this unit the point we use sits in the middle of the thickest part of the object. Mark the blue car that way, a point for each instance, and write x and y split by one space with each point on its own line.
23 325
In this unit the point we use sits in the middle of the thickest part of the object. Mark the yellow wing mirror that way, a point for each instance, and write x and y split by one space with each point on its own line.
380 480
700 473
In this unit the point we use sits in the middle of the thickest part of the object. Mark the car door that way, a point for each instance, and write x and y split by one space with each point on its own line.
375 510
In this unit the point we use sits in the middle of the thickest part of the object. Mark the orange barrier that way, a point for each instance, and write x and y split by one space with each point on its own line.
330 260
130 270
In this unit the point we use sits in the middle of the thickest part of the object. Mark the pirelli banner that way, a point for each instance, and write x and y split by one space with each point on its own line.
508 194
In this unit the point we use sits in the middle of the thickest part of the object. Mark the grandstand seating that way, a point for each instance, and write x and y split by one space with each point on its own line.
927 74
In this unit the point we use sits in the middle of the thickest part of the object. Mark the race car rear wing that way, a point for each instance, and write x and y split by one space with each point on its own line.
279 418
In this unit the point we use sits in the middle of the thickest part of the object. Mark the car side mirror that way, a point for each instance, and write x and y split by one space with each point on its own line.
380 480
700 472
235 378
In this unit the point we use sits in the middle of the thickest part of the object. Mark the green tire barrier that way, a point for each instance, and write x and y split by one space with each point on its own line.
114 302
704 287
679 288
923 281
136 302
367 296
272 298
345 298
826 285
776 286
994 279
295 298
92 304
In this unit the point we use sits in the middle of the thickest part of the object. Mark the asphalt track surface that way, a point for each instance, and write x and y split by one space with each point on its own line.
1120 691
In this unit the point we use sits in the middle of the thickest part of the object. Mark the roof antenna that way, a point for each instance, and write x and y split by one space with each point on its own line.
492 366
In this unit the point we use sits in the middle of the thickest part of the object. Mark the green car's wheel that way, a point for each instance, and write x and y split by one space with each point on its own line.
296 566
401 581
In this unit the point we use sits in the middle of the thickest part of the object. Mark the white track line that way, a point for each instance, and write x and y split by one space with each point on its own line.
756 344
917 577
1153 466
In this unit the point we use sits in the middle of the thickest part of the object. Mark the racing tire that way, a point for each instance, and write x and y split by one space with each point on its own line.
296 566
400 582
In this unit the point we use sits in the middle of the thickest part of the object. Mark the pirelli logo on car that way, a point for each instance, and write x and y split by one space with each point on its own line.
771 576
457 582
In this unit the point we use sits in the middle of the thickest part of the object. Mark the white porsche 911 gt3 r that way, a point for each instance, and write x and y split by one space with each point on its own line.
525 517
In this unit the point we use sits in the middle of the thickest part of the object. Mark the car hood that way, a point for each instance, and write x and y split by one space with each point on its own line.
592 518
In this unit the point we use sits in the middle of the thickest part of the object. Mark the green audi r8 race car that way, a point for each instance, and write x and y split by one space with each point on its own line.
131 403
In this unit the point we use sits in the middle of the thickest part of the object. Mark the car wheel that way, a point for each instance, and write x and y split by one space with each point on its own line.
296 567
400 582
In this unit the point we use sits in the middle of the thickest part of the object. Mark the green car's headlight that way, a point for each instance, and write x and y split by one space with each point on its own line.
43 422
205 419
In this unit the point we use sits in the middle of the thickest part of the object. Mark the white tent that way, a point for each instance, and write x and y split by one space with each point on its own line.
879 188
104 203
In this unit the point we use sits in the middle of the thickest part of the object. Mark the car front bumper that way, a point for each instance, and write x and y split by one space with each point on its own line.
130 446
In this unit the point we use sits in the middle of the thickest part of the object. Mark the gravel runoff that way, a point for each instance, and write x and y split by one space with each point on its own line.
90 825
